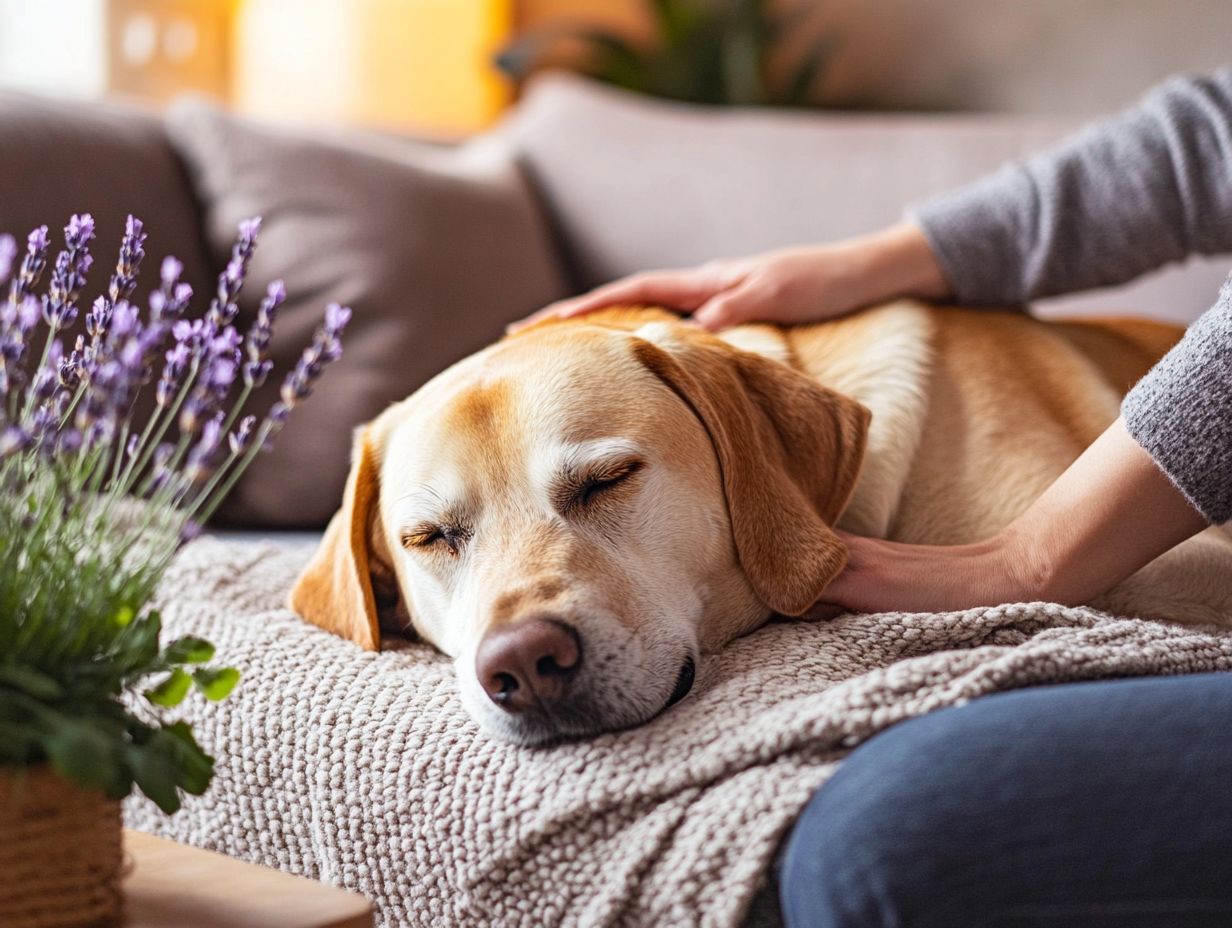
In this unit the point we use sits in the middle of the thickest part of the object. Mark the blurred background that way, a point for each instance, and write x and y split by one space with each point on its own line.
448 68
437 247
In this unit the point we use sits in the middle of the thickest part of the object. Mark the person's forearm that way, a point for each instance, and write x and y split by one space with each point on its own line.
1122 197
1112 512
894 262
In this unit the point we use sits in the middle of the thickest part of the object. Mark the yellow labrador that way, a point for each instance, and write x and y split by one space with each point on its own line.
578 512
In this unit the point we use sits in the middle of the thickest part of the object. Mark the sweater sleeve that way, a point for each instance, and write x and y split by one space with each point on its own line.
1181 412
1122 197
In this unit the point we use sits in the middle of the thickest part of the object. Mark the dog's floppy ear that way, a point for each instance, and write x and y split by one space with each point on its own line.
335 590
789 451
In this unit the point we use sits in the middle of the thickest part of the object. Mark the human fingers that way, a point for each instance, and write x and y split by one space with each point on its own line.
681 290
732 307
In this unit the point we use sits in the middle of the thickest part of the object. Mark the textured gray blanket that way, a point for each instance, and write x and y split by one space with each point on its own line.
362 769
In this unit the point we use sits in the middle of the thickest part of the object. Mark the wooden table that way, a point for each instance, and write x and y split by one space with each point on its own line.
175 886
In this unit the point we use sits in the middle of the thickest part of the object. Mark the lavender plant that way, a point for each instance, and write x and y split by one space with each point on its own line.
94 502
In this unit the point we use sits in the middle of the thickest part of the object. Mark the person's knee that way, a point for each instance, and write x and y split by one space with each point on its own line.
870 847
947 814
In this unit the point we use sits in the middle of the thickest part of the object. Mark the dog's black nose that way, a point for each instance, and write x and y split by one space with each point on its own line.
528 664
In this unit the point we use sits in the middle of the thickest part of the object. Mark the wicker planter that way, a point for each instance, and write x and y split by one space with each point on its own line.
61 856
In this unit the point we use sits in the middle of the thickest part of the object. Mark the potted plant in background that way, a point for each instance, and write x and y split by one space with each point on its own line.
94 503
732 52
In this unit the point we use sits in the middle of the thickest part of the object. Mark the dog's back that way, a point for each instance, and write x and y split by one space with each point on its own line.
980 411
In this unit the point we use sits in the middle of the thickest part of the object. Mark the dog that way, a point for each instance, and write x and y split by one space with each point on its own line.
579 512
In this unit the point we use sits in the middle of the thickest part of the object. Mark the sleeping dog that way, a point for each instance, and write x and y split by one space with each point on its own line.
578 512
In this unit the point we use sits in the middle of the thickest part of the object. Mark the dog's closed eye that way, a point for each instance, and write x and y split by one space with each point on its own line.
439 538
591 488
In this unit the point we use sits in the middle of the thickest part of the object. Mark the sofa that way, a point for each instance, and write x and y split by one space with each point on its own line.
436 248
358 768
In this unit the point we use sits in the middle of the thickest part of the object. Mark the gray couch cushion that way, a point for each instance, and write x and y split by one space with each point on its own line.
633 183
434 249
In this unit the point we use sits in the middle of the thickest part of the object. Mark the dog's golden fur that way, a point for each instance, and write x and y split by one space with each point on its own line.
739 453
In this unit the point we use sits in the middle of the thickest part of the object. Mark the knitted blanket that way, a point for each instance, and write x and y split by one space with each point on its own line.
363 770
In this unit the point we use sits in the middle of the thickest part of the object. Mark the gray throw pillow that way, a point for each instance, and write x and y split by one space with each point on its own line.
63 157
435 249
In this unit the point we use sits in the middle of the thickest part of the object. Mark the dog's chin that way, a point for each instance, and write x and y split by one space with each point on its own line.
568 723
581 717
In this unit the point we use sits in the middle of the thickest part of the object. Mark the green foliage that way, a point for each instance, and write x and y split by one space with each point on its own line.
94 503
77 638
216 684
707 51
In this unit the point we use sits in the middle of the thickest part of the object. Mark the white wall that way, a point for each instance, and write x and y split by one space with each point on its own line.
1039 56
54 46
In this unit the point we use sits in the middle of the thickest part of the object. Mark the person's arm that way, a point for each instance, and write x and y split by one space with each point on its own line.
1131 193
1159 474
1112 512
1119 198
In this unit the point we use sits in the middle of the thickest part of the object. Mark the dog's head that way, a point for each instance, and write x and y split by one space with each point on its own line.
575 513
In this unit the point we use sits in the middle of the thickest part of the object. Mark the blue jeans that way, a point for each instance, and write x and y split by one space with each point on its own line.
1086 805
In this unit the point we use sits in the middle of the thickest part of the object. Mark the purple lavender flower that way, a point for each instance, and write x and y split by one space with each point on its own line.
79 231
257 341
218 362
169 301
193 412
249 229
16 324
69 274
13 440
47 378
37 242
124 320
132 250
226 345
73 367
219 376
98 317
336 319
326 347
28 313
68 441
170 270
177 361
161 474
32 264
80 399
223 308
43 423
240 438
202 454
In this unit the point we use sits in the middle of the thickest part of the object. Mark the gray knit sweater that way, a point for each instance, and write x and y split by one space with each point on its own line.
1120 198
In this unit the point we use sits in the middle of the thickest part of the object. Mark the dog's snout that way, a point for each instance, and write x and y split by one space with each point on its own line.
528 664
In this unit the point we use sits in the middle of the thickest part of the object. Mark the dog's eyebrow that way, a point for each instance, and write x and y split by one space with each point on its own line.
422 493
585 454
422 502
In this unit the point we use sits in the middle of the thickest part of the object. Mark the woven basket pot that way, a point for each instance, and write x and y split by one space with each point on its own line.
61 855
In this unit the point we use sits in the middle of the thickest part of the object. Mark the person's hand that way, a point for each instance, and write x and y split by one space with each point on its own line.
790 286
1112 512
887 576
